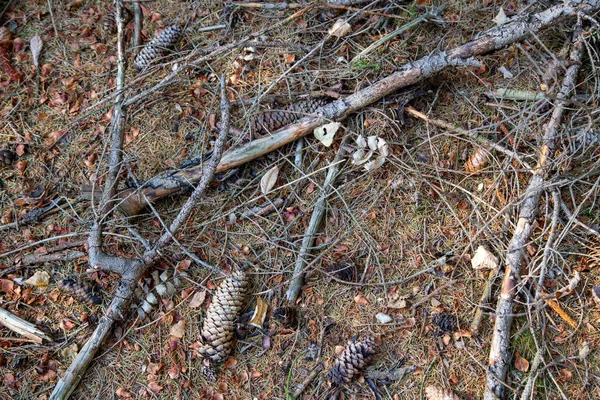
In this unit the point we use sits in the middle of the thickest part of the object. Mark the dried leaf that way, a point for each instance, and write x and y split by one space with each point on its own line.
123 394
340 28
501 18
360 299
437 393
483 259
40 278
198 299
269 180
376 163
520 363
325 133
360 157
178 330
383 318
260 313
35 44
361 142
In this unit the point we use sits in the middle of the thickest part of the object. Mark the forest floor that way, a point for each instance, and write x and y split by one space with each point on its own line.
408 229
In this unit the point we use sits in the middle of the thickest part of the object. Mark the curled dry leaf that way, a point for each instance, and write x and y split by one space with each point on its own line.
40 278
325 133
573 282
260 313
198 299
362 156
269 179
35 44
483 259
437 393
501 18
340 28
521 363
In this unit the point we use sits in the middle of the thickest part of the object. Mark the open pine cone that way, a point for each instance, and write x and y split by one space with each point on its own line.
110 23
158 47
271 120
219 323
352 361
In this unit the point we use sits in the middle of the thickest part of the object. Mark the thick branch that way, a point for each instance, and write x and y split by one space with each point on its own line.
496 38
499 351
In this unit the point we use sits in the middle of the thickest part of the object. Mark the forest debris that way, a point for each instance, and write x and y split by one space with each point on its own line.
218 328
478 160
7 157
356 356
158 47
325 133
40 278
596 295
22 327
269 179
437 393
500 18
340 28
483 259
383 318
82 290
554 305
263 210
35 44
375 145
260 313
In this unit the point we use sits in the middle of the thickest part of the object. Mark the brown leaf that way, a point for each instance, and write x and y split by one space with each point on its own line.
197 299
20 150
154 368
122 393
155 387
520 363
178 330
360 299
20 166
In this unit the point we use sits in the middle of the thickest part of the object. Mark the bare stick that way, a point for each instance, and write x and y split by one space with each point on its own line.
42 258
499 351
138 19
22 327
315 221
486 297
302 387
496 38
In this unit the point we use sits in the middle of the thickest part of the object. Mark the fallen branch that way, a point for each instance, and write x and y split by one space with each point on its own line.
138 19
43 258
499 351
22 327
302 386
315 221
165 184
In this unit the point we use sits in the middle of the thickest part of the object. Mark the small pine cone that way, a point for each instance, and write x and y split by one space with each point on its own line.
344 270
219 323
158 47
110 20
271 120
446 322
352 361
83 291
7 157
5 34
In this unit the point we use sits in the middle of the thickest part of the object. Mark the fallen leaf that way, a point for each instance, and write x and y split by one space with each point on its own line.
269 180
521 363
198 299
483 259
501 18
360 299
178 330
35 44
326 133
340 28
40 278
122 393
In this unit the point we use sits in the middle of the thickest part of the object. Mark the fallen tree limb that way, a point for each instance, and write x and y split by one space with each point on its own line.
518 28
315 221
22 327
499 351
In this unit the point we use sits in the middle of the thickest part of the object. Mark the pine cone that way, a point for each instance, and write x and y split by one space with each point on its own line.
158 47
5 34
352 361
110 20
592 259
7 157
218 329
446 322
83 291
269 121
344 270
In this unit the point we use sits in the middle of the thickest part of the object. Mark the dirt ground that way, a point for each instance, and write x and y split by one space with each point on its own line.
409 228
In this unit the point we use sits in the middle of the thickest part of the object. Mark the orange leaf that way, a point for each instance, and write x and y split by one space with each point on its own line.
360 299
520 363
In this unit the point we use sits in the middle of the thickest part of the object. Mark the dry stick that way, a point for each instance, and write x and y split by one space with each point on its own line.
132 269
22 327
42 258
315 221
486 297
138 19
171 182
302 386
499 350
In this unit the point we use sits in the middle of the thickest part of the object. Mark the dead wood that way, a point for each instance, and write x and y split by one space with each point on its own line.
499 352
22 327
315 221
43 258
517 29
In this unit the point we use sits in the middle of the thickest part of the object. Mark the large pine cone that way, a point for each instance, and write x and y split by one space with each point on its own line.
352 361
219 323
110 21
158 47
86 292
271 120
7 157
